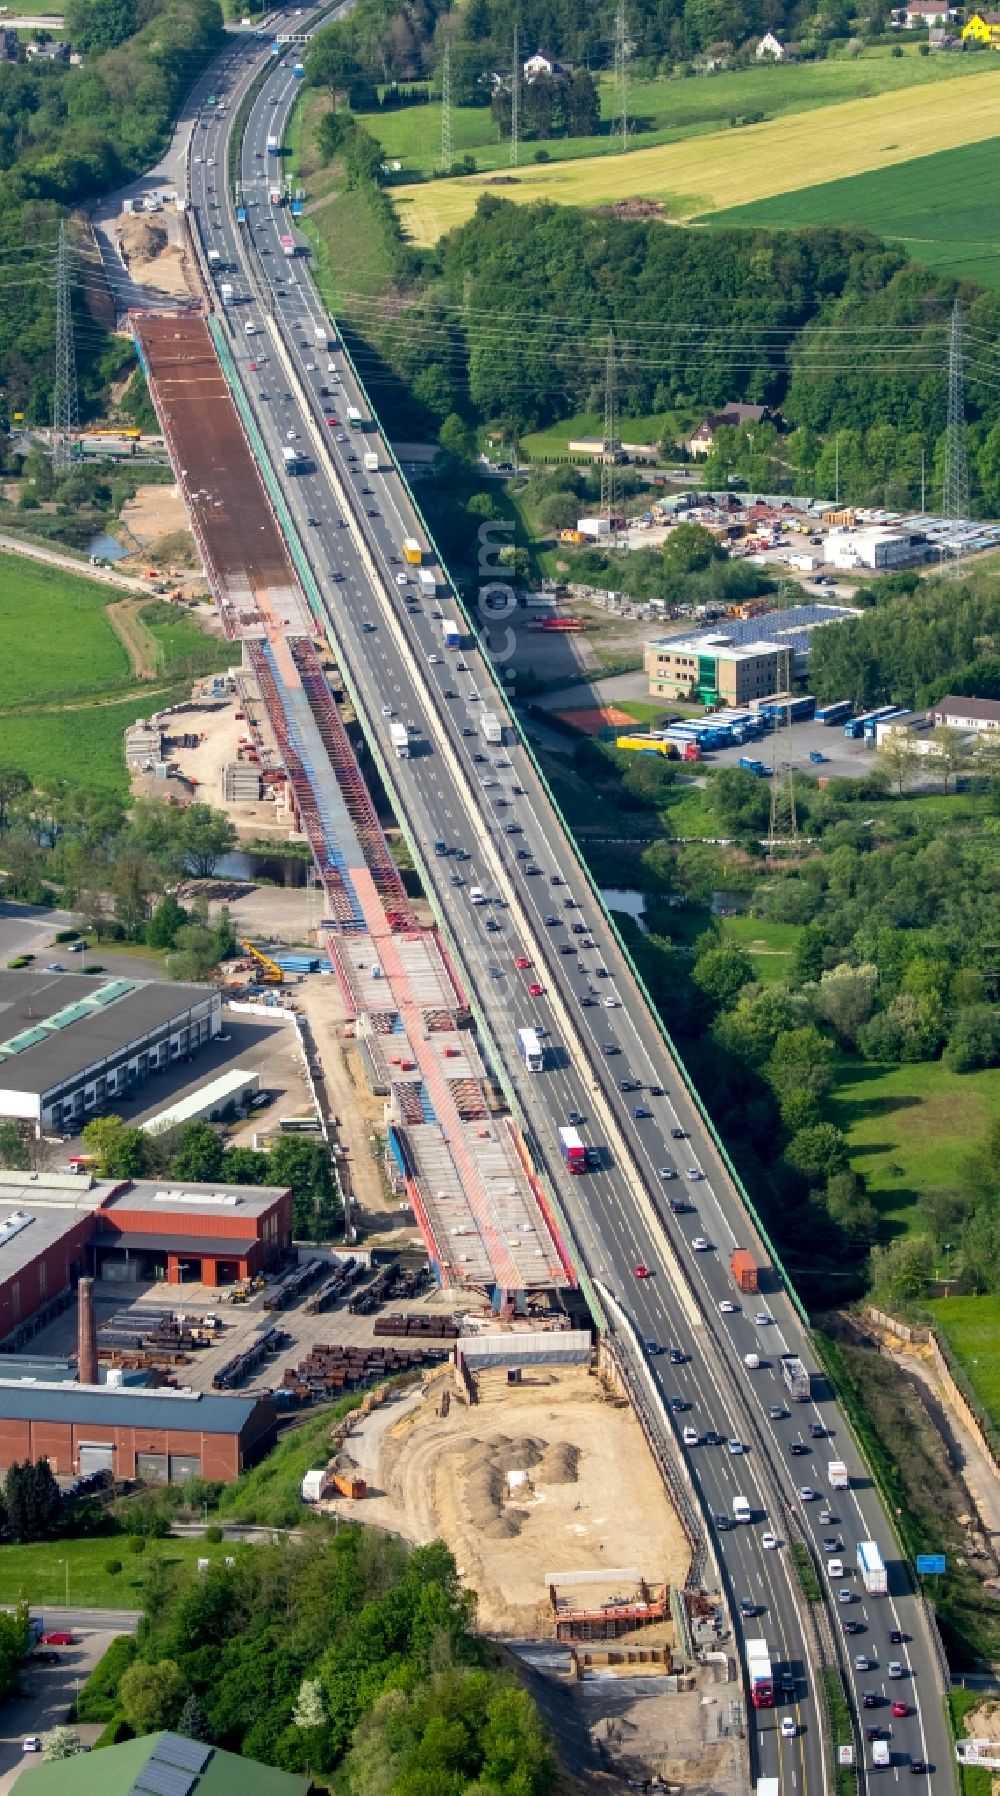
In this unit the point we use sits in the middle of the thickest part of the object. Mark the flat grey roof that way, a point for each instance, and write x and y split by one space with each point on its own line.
54 1025
193 1412
35 1215
190 1247
168 1197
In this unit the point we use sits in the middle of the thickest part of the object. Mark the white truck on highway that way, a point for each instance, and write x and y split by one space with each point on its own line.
796 1378
399 735
371 461
530 1049
871 1565
226 293
836 1475
492 728
273 145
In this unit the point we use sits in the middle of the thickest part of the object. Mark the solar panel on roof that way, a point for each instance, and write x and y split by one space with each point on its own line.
159 1779
177 1749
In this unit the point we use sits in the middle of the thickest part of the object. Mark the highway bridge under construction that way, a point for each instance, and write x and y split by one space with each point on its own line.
454 1150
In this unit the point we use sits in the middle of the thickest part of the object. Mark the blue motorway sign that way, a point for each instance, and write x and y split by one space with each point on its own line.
930 1564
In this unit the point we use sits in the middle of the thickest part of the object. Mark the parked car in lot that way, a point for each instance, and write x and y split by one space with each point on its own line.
61 1637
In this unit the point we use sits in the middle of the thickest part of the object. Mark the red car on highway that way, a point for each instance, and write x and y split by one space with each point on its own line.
535 989
522 962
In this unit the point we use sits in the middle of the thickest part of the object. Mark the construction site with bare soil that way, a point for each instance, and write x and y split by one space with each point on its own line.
535 1485
543 1487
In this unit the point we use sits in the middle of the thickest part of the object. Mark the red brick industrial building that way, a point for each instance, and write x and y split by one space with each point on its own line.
210 1234
160 1436
54 1227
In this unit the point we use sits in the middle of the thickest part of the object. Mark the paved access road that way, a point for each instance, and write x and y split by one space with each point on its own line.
46 1692
488 804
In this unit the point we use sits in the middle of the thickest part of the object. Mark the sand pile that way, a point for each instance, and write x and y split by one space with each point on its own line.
487 1490
142 239
559 1464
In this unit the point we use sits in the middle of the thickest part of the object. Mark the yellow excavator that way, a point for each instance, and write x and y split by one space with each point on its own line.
271 973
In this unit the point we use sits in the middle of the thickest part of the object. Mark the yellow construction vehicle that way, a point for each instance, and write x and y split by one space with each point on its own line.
271 973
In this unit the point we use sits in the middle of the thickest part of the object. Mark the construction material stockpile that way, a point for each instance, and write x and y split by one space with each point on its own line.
392 1282
289 1289
327 1371
239 1368
348 1273
422 1328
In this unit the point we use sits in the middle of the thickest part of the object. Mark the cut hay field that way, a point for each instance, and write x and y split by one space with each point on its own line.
940 208
708 173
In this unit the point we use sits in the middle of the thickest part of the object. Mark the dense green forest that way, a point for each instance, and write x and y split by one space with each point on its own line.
508 320
913 646
351 1655
67 134
385 41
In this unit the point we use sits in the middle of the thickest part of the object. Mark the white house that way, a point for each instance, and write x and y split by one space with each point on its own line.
771 47
977 714
932 13
539 64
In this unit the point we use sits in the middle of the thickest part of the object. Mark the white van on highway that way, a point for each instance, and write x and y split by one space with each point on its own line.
477 895
741 1509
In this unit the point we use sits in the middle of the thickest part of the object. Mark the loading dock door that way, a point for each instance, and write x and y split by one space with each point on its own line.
184 1466
96 1458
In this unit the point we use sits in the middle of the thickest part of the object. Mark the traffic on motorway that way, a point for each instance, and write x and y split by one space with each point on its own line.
653 1214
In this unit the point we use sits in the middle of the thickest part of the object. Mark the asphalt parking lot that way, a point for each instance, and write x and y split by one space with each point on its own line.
29 929
267 1047
47 1691
845 759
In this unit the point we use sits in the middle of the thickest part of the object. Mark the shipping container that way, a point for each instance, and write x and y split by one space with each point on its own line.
744 1269
836 713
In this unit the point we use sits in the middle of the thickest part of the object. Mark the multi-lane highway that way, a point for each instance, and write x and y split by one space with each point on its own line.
486 804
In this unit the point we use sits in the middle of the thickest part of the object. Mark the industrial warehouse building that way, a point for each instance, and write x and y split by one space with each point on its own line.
717 670
46 1221
71 1044
746 660
160 1436
207 1233
55 1227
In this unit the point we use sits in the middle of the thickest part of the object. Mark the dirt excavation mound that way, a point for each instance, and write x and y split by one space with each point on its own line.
142 239
559 1464
153 252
